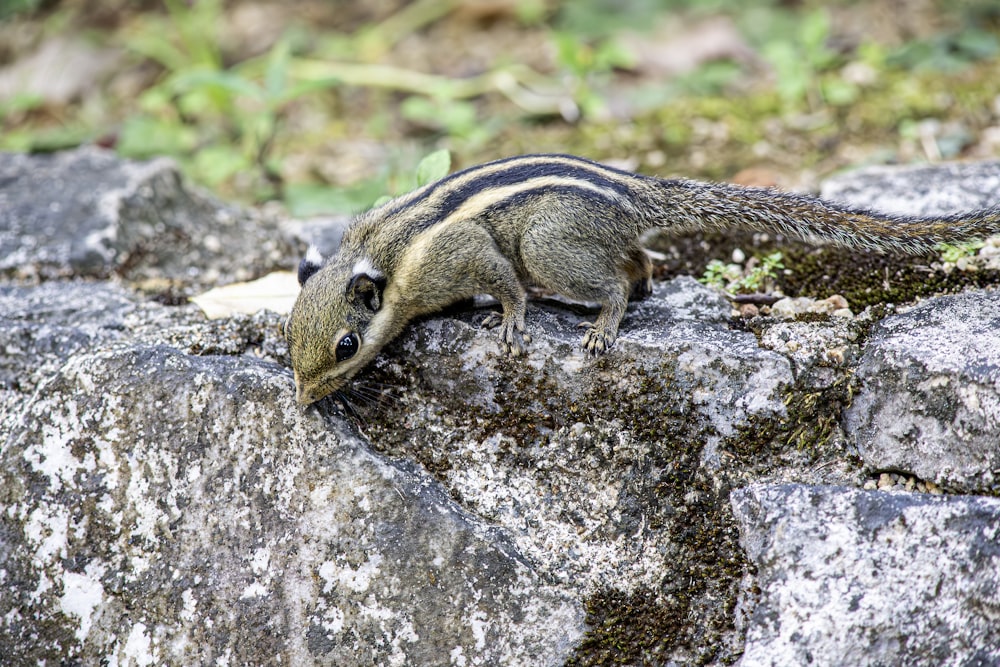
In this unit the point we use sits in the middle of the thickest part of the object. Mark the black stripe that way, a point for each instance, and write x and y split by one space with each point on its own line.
523 196
515 174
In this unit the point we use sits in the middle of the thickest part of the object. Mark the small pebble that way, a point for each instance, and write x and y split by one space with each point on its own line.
885 481
835 356
837 302
749 310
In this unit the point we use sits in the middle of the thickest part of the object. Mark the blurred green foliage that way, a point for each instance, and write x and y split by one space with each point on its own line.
10 8
231 124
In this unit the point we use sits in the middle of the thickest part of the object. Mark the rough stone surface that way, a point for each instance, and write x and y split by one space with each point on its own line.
937 189
930 397
850 577
612 475
171 509
104 216
574 486
163 501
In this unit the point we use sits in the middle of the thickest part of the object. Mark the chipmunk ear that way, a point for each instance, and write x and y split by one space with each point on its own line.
310 264
366 289
366 285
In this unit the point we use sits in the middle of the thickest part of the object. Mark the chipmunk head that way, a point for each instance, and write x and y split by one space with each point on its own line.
333 329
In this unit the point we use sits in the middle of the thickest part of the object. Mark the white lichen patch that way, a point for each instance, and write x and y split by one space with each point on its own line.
190 606
259 560
355 579
52 455
47 527
333 620
254 590
138 649
82 593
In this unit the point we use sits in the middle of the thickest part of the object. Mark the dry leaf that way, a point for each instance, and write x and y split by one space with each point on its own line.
275 291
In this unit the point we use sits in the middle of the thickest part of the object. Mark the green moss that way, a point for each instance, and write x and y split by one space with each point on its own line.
864 279
867 279
668 489
812 419
647 626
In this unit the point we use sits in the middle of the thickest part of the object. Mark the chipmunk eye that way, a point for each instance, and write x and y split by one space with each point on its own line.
347 347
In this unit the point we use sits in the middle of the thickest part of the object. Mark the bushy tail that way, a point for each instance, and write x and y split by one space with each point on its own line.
692 205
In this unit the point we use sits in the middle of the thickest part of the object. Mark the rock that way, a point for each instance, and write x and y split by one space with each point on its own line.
790 308
612 475
111 537
41 327
323 232
850 577
88 213
929 402
938 189
161 508
165 501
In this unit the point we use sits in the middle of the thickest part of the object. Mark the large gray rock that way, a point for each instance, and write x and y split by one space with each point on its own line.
929 402
41 327
574 451
163 500
89 213
161 508
851 577
938 189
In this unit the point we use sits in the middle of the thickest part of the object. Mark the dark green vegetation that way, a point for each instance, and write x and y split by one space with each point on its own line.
328 106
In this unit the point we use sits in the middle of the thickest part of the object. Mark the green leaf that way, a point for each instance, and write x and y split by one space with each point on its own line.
297 90
307 199
814 32
276 75
434 167
146 136
977 44
218 80
215 164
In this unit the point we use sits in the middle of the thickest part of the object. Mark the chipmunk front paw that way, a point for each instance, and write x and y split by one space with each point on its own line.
513 340
596 341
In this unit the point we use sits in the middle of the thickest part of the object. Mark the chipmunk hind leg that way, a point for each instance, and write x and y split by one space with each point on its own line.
587 272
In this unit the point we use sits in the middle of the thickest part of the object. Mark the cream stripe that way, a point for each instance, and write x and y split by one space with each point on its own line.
498 167
481 201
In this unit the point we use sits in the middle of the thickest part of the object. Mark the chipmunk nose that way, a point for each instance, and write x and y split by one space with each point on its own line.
305 395
301 395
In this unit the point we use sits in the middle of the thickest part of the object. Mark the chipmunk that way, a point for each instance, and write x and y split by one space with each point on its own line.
555 221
